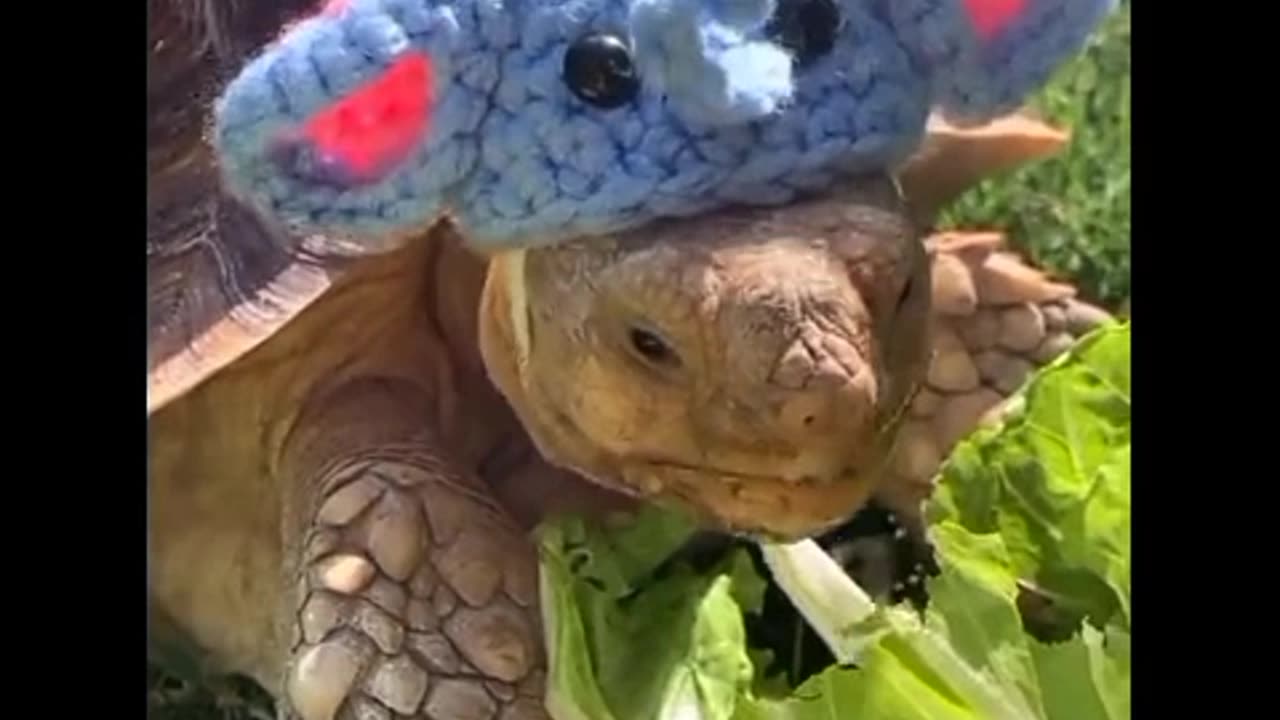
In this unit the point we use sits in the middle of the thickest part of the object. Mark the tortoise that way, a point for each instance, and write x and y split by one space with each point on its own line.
351 442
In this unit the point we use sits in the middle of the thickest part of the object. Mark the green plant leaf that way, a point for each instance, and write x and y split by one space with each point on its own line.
614 557
969 660
1053 478
675 648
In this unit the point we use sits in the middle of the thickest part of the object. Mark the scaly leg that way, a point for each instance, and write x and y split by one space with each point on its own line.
414 593
996 321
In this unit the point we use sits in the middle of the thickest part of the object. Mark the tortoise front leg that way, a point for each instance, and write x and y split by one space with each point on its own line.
996 321
413 594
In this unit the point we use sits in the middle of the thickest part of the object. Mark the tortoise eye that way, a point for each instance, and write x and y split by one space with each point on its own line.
598 69
805 27
651 347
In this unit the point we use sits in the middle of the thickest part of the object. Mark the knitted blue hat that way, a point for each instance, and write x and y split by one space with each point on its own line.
531 121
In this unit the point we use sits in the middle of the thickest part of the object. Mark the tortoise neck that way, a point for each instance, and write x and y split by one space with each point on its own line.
471 317
484 421
456 281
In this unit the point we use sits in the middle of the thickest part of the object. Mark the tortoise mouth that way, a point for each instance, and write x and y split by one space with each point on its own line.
755 506
759 507
731 475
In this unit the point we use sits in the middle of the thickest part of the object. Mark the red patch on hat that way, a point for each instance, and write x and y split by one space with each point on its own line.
377 125
333 7
992 16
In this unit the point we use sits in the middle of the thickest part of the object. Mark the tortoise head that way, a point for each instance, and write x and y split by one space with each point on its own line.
749 364
752 363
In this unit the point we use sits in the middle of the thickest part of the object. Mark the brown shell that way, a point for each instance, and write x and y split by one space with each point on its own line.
218 281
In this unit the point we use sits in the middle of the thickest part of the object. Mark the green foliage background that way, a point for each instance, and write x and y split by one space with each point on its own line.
1070 213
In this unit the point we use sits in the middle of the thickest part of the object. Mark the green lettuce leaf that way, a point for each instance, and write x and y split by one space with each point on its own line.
674 649
969 660
1053 479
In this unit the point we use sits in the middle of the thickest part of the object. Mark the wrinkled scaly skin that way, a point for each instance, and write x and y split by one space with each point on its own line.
348 450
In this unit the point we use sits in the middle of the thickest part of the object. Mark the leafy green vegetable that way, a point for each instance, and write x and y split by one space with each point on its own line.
1041 501
615 558
1053 479
675 649
969 660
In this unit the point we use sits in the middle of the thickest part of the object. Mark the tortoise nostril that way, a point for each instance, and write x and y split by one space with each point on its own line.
820 387
828 405
806 410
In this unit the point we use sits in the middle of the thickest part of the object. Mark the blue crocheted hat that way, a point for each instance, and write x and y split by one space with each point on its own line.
530 121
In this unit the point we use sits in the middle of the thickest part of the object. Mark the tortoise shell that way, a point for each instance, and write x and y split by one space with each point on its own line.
219 281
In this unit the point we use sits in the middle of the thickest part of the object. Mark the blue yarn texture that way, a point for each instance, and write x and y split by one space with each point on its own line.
723 116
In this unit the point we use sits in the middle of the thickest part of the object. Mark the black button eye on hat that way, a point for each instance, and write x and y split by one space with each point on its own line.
598 69
806 28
